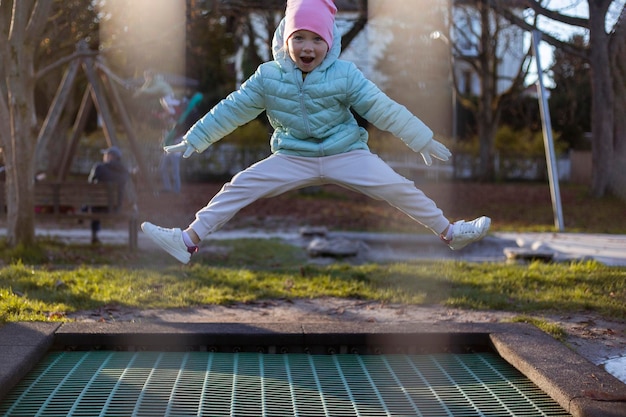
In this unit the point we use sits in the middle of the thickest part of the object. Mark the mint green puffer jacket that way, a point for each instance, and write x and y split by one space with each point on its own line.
310 117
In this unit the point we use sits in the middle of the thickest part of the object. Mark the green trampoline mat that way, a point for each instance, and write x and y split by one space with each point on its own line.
113 383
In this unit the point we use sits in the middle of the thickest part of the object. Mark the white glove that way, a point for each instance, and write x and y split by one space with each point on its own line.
436 150
184 147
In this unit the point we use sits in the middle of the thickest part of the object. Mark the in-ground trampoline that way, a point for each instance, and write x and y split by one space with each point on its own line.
299 370
103 383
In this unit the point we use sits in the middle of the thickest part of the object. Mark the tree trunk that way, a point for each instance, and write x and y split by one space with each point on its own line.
487 127
27 21
487 102
19 156
617 182
602 101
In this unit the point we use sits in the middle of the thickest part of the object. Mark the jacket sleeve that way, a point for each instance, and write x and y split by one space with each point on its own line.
239 108
384 113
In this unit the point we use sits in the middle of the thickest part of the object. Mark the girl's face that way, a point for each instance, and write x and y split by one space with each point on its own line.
307 49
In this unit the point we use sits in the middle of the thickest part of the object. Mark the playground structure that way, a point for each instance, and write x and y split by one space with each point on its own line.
103 92
99 81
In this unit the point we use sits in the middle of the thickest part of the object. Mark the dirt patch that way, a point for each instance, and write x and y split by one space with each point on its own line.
591 336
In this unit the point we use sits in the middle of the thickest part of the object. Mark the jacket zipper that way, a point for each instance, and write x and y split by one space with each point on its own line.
300 82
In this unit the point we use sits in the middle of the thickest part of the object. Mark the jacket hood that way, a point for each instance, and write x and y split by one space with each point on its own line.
282 56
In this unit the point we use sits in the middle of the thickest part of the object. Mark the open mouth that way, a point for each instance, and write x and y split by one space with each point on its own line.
307 59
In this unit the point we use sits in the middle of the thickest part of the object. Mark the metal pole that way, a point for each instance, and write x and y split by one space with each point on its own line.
455 116
553 176
451 79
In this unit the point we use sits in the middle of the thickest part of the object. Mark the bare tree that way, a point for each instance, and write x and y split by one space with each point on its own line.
37 38
602 53
490 38
22 22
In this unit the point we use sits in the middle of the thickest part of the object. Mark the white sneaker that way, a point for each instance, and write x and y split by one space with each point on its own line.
464 233
170 240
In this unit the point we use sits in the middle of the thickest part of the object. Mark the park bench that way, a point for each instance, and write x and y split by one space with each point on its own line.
61 201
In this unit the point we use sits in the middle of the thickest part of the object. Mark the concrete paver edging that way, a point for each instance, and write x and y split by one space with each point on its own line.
22 345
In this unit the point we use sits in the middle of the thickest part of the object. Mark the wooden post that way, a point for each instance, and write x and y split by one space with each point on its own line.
79 127
101 104
57 106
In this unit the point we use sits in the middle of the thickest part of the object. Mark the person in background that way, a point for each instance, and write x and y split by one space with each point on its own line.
111 169
169 169
155 86
308 93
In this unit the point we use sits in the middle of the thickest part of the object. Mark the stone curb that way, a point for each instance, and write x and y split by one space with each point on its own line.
22 345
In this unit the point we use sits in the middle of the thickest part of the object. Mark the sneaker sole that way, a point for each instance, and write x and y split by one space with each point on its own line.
180 257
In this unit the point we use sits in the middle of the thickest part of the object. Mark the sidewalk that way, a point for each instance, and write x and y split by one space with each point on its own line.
604 248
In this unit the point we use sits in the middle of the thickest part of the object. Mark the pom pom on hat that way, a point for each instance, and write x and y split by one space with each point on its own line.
317 16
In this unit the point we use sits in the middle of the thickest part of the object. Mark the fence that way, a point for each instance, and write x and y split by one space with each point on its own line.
224 160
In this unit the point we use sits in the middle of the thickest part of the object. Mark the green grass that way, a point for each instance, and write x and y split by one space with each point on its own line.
552 329
52 280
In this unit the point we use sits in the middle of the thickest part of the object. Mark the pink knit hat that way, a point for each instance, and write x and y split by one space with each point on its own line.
317 16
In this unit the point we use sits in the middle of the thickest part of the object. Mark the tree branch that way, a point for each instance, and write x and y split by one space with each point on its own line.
357 27
17 24
5 18
513 18
37 21
556 16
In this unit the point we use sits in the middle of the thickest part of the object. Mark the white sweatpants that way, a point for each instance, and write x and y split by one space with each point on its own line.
358 170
